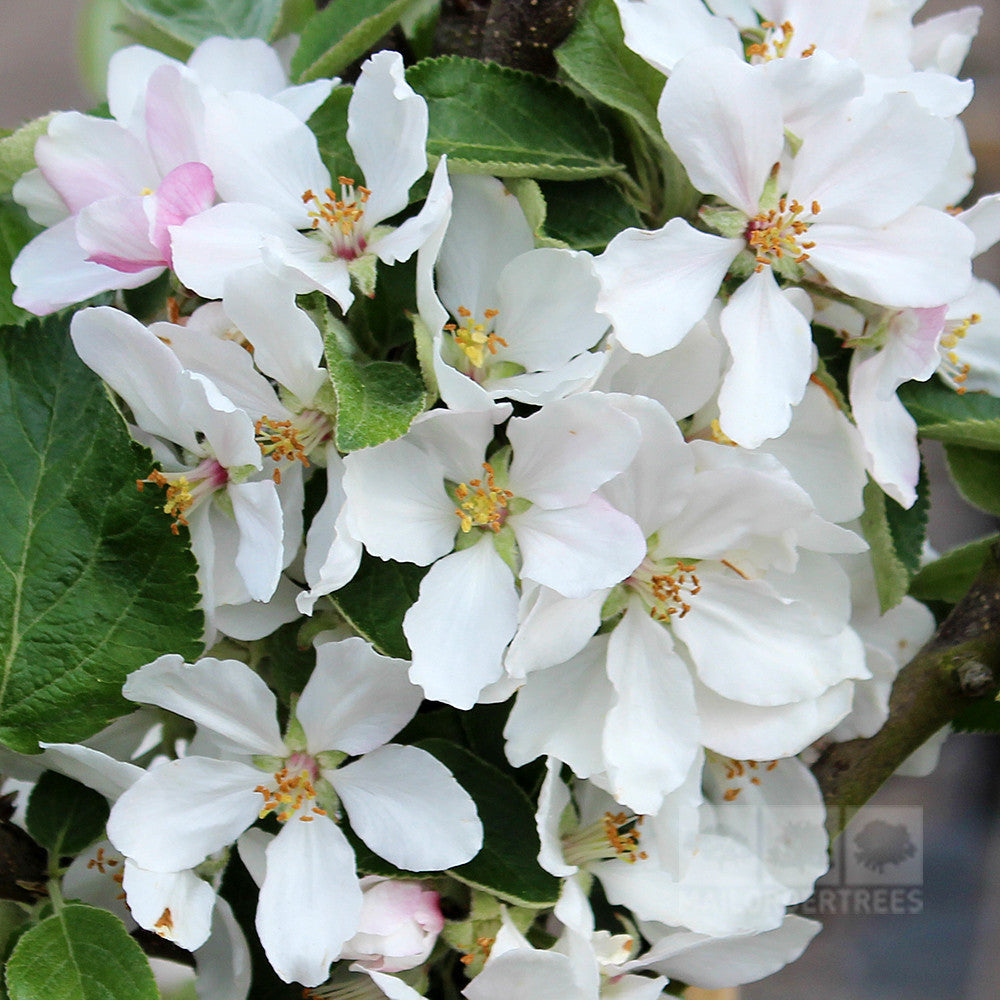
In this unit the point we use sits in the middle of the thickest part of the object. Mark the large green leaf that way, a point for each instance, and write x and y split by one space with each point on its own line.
92 582
948 578
595 56
896 536
337 35
977 475
376 600
507 866
972 419
376 400
64 816
192 21
16 229
79 953
588 214
490 119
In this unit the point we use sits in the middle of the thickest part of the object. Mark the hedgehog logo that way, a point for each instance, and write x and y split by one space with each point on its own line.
881 844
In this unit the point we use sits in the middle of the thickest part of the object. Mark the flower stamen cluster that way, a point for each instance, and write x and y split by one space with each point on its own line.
666 590
185 490
473 339
956 369
613 836
482 506
778 232
339 218
293 794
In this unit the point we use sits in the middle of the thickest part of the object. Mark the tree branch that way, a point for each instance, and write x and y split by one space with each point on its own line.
961 662
523 33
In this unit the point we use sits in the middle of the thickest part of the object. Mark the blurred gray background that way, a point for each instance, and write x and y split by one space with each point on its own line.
951 949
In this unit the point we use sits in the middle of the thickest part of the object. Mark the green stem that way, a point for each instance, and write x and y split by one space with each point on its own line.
961 662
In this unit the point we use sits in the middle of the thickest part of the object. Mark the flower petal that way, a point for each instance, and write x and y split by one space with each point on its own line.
176 905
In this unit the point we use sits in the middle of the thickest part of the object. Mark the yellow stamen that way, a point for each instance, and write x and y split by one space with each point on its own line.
482 506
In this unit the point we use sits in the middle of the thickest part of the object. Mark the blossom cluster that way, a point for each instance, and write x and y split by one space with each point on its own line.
633 493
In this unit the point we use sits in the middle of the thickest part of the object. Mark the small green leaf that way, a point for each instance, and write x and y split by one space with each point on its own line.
17 151
972 419
16 230
587 215
192 21
595 56
376 400
293 18
79 953
377 598
64 816
94 584
490 119
896 537
949 578
507 866
337 35
977 475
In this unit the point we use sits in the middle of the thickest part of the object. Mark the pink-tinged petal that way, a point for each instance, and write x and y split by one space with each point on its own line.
772 350
175 905
39 198
185 191
115 232
184 810
652 732
657 285
261 153
552 629
52 271
722 118
397 505
223 961
310 902
91 767
260 557
715 963
387 131
287 344
750 644
409 809
753 732
570 448
139 367
561 712
407 239
469 266
578 550
356 699
129 72
920 259
86 159
474 591
664 31
224 696
174 118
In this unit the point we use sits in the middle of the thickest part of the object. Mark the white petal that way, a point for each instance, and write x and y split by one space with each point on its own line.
310 902
473 590
182 811
223 961
225 696
553 798
260 556
402 243
91 767
176 905
408 808
657 285
356 699
552 629
528 975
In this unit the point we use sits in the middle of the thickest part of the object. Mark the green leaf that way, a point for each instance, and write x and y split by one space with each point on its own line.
16 230
293 18
329 125
507 866
896 537
949 578
192 21
64 816
79 953
977 475
337 35
17 151
972 419
490 119
94 584
979 716
376 400
377 598
587 215
595 56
